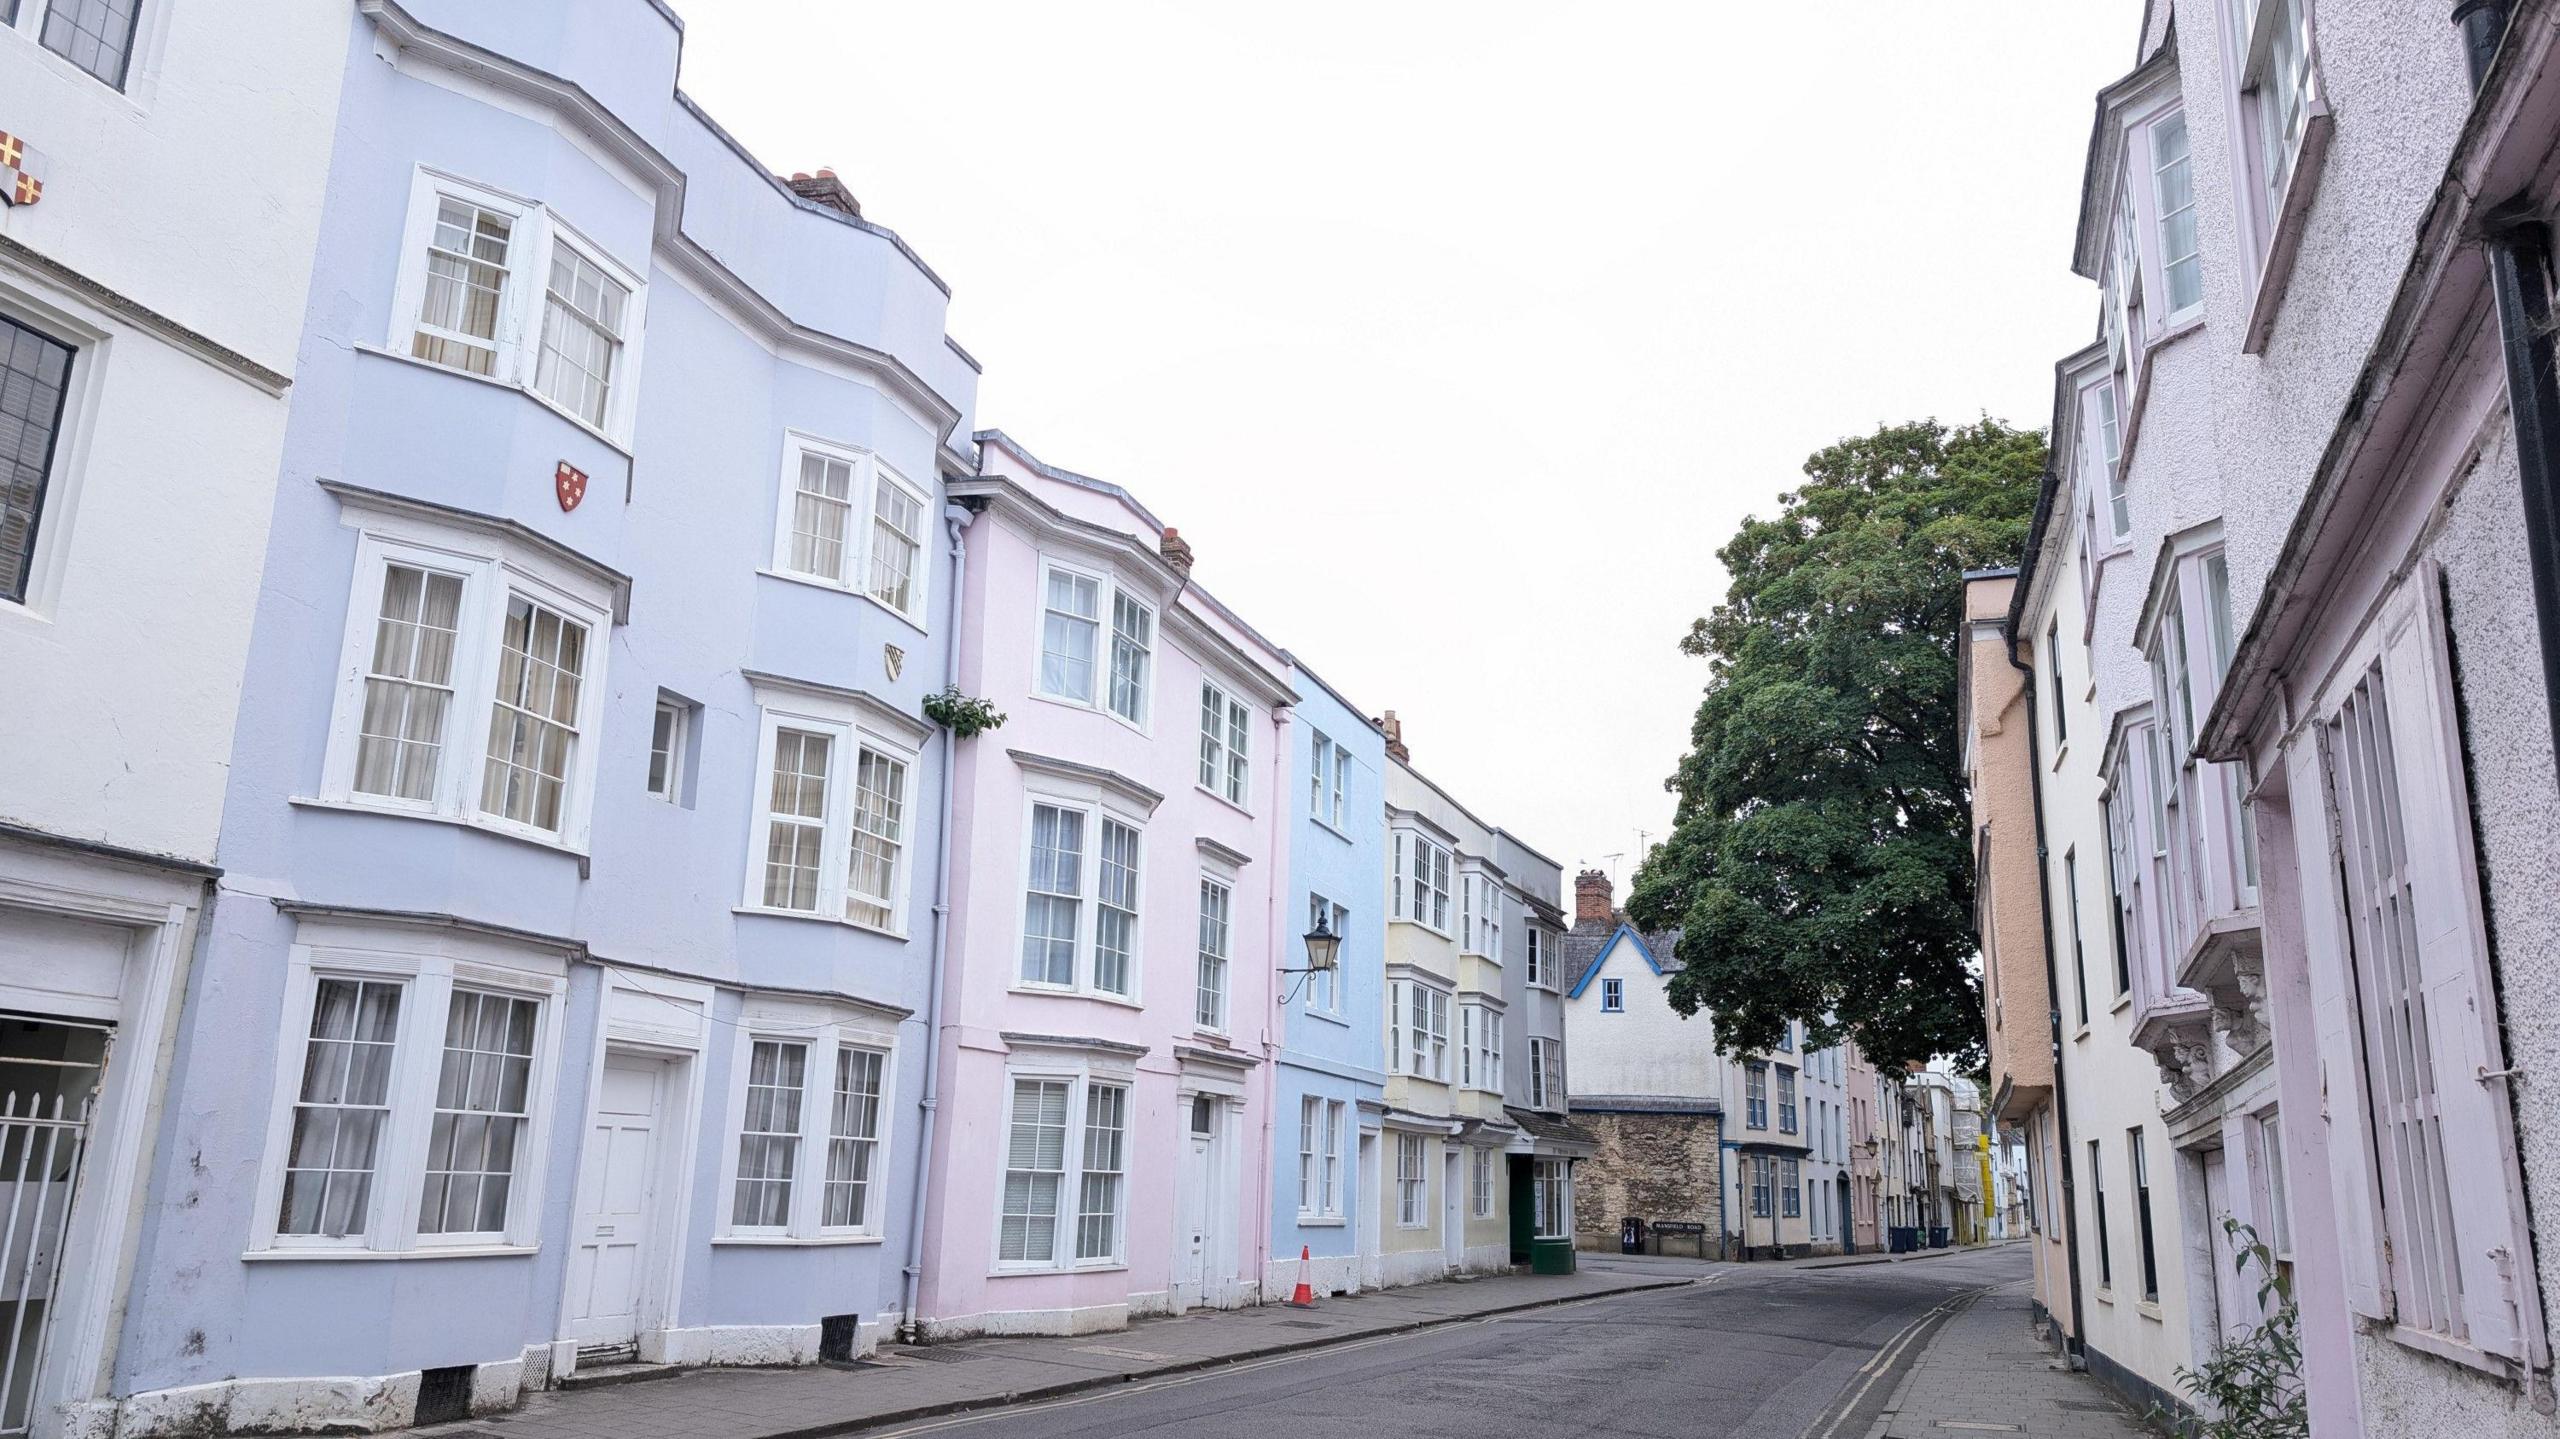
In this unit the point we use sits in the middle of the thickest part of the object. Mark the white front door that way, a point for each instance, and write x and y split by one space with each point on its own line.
1453 1224
1371 1274
617 1187
1194 1201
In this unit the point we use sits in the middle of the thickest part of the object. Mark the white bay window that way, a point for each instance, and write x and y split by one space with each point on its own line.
415 1068
1225 731
496 285
462 641
808 1120
1066 1142
1421 888
835 789
848 521
1088 620
1080 898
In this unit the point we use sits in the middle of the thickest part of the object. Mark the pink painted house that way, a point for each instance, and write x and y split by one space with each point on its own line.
1103 1137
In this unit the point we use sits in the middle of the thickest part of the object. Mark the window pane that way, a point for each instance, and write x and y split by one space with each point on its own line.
879 828
35 373
897 542
96 35
1106 1117
821 515
344 1103
769 1134
480 1113
408 686
1132 644
1054 907
798 830
853 1130
465 287
1116 918
2174 186
581 335
533 725
1069 631
1211 1010
1035 1169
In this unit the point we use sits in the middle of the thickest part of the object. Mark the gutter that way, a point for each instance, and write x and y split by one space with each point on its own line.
2518 245
2074 1348
955 519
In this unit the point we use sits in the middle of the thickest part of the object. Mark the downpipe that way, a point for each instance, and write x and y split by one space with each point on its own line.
955 519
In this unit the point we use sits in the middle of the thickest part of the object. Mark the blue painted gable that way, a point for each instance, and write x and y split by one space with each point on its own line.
1626 933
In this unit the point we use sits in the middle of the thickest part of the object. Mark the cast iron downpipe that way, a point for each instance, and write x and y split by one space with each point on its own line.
955 518
2075 1345
2519 252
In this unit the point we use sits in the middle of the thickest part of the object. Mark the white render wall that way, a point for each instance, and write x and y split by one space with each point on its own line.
1650 1049
196 194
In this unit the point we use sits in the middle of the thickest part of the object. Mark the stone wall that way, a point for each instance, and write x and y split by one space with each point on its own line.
1653 1166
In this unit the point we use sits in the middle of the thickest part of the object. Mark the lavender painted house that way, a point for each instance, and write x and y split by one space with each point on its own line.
580 839
1120 900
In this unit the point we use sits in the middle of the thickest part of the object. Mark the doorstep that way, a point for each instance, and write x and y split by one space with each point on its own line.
606 1376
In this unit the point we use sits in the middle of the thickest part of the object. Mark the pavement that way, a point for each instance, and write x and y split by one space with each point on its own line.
1985 1371
902 1383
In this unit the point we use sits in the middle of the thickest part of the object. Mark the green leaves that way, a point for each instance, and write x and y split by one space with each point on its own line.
1819 864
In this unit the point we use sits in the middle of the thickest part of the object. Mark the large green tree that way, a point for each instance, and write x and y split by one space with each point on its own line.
1818 867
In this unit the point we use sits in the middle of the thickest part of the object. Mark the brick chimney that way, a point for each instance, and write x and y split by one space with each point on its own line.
1395 737
1592 898
1176 550
826 189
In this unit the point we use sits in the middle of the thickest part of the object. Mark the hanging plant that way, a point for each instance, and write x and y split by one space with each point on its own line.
965 716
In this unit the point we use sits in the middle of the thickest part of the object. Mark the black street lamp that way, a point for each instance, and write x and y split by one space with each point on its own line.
1323 948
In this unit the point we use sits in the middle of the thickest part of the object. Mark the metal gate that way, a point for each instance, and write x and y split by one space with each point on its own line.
49 1074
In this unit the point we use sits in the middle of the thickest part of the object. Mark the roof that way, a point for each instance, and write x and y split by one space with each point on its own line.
1645 1104
1550 1127
1585 944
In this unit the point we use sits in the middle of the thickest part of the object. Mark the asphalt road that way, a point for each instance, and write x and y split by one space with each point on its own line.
1785 1353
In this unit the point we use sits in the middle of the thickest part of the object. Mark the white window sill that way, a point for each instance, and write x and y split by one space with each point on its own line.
482 823
2275 267
1320 1221
1042 1271
1329 827
791 1241
2452 1351
1057 991
812 917
2149 1309
1070 702
2122 1002
287 1255
1216 1038
2061 752
819 582
1423 925
496 383
1424 1224
1328 1016
1222 799
2082 1032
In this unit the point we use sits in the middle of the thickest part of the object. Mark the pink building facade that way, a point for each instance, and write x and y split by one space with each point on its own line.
1109 1012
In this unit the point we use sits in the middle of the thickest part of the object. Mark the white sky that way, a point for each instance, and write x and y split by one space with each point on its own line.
1458 337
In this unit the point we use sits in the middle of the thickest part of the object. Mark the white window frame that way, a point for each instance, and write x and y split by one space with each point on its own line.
849 729
428 965
1480 1047
1328 780
1081 1076
825 1028
1413 1189
1226 755
1613 996
1324 987
1107 591
1422 870
1213 1004
671 783
871 476
1097 806
1480 1185
1320 1159
518 343
492 570
1418 1051
1551 1181
1542 969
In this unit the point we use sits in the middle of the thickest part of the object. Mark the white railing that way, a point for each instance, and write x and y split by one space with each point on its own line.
42 1141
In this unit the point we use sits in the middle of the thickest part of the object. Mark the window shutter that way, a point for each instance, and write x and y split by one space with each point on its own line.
2348 1135
2494 1249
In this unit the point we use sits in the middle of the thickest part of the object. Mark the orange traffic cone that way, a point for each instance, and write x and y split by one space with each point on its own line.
1305 1296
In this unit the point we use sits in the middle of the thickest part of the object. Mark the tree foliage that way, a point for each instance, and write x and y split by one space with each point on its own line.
1818 866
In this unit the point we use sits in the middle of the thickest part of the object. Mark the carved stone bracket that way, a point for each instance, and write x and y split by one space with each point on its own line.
2227 965
2184 1052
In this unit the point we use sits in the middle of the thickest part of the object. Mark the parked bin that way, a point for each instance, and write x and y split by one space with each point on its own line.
1551 1256
1937 1239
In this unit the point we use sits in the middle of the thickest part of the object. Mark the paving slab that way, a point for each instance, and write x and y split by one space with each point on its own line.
903 1383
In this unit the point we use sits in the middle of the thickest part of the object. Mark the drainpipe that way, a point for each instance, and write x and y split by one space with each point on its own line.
955 519
2075 1346
2519 252
1274 1019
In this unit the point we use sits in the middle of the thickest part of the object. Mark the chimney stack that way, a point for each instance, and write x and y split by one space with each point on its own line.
825 189
1176 550
1395 737
1592 903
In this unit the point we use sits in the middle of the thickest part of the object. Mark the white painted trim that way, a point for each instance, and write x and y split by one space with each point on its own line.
678 1139
1079 1072
1096 802
849 726
94 338
1108 590
827 1028
862 502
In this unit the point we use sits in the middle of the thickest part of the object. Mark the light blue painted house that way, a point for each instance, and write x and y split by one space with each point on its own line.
565 995
1329 1076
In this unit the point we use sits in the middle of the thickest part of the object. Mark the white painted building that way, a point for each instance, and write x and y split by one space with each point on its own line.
144 369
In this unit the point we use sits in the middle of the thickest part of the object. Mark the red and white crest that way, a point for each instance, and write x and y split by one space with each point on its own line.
571 483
